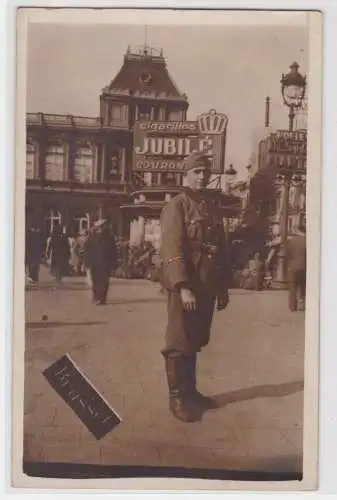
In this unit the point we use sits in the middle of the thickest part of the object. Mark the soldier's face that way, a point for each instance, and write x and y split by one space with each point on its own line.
197 178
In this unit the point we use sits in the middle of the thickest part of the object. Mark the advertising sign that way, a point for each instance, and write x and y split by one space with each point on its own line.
164 145
288 149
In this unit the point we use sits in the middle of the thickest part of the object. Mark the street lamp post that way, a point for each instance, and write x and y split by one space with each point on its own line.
293 86
286 180
230 175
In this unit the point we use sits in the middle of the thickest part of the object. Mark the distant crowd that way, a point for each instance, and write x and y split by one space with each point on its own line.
98 254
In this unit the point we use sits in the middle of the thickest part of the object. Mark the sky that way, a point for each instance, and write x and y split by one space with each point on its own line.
229 68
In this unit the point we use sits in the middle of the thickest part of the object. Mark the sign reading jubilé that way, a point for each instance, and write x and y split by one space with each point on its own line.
164 145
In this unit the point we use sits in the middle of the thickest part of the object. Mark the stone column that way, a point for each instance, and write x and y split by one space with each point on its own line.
103 150
71 156
141 225
122 164
42 157
162 114
95 162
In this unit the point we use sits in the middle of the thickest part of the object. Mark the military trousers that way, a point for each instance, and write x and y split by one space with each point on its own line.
296 287
188 332
99 284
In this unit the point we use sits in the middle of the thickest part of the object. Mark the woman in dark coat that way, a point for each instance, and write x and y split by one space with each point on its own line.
59 251
100 259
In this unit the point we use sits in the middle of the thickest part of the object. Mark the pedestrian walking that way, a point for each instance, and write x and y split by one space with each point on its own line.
195 275
296 267
100 259
254 276
33 252
79 251
58 251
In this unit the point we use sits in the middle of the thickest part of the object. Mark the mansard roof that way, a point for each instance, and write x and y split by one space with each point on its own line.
145 71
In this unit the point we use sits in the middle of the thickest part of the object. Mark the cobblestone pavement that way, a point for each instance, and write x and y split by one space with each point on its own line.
253 365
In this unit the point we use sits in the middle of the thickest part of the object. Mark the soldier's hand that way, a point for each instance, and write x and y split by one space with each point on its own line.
222 302
188 299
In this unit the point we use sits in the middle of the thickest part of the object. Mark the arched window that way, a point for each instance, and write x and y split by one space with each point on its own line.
31 159
52 219
82 223
84 162
55 166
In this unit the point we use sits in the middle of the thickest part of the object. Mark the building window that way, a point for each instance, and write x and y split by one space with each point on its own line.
144 112
116 113
31 160
155 179
156 113
174 115
82 223
112 165
292 224
55 162
139 178
84 164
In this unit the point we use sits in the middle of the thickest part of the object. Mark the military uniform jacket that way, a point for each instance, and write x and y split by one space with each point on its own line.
194 250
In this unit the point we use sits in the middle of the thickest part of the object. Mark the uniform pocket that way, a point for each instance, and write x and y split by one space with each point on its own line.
194 229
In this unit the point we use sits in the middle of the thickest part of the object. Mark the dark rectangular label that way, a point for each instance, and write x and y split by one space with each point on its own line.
66 379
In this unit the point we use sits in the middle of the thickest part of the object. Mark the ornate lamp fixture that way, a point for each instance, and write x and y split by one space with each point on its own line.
293 86
230 174
230 171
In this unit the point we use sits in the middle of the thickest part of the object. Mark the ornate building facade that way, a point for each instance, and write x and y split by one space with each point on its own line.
279 154
79 169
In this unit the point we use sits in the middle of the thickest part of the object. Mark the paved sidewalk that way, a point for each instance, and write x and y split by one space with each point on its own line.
253 365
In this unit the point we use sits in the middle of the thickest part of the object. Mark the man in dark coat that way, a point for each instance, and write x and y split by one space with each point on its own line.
100 259
296 267
195 274
58 249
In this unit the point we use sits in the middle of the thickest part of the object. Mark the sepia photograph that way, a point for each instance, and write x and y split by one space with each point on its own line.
168 205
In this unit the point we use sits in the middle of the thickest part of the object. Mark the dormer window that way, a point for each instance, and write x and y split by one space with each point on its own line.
116 113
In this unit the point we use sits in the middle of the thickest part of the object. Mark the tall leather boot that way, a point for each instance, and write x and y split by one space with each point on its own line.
181 406
204 402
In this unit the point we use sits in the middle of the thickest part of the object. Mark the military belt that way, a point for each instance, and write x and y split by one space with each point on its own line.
205 248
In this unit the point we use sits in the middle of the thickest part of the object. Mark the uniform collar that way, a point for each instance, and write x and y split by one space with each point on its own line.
198 196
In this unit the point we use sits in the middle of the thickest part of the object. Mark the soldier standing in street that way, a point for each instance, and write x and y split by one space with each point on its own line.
195 274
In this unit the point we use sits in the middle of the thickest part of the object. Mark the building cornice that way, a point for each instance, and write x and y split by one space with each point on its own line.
52 121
